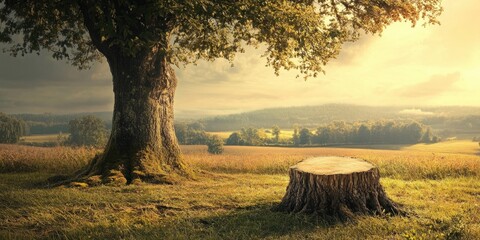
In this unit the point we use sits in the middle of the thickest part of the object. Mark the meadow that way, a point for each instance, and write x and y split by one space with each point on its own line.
42 138
232 194
285 135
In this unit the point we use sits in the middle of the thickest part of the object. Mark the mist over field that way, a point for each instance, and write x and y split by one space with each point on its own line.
448 122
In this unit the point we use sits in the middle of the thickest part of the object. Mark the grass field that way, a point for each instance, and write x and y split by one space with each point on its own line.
284 134
223 135
455 146
232 195
42 138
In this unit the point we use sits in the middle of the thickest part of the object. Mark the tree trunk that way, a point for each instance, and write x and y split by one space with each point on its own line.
142 145
336 188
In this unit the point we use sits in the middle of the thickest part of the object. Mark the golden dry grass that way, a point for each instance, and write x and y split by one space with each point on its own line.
402 164
392 163
453 146
17 158
42 138
232 198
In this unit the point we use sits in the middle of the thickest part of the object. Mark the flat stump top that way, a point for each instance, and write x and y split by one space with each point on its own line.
332 165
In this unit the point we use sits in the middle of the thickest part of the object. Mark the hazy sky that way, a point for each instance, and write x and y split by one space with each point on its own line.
437 65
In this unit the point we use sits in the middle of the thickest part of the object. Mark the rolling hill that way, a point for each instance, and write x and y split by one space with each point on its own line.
450 119
313 116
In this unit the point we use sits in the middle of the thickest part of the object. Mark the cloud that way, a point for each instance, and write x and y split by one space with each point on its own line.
436 85
400 68
204 73
42 84
35 71
352 52
56 99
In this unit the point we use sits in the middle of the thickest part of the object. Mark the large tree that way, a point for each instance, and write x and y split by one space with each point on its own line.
142 39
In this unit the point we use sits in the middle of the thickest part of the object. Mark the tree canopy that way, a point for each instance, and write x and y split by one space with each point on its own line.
297 34
87 131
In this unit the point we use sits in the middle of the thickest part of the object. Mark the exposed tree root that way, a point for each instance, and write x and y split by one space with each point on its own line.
102 172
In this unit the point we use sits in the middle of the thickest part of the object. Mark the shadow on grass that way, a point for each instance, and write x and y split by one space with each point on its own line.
253 222
13 184
27 180
258 222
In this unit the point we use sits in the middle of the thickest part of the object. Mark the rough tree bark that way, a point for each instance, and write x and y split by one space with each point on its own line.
142 146
336 188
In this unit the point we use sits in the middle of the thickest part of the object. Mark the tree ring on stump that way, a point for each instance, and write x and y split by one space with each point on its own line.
333 165
336 188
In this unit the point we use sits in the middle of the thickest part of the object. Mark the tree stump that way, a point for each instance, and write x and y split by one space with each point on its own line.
336 188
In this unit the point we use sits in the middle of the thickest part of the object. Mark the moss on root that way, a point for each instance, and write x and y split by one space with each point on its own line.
117 173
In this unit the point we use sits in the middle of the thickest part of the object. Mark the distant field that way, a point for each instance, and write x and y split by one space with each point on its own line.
464 146
42 138
232 195
284 134
223 135
451 146
454 146
404 164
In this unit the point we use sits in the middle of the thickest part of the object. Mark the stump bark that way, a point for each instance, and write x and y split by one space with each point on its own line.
336 188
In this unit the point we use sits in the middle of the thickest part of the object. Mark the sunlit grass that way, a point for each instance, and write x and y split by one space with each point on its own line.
232 196
225 206
15 158
454 146
42 138
223 135
392 163
284 134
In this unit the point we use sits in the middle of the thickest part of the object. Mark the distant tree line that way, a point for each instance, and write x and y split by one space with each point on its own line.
191 133
379 132
92 131
87 131
453 126
11 129
48 123
452 121
308 116
248 137
470 122
464 118
339 132
37 128
194 134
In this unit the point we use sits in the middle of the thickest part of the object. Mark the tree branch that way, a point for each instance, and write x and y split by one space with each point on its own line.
89 22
